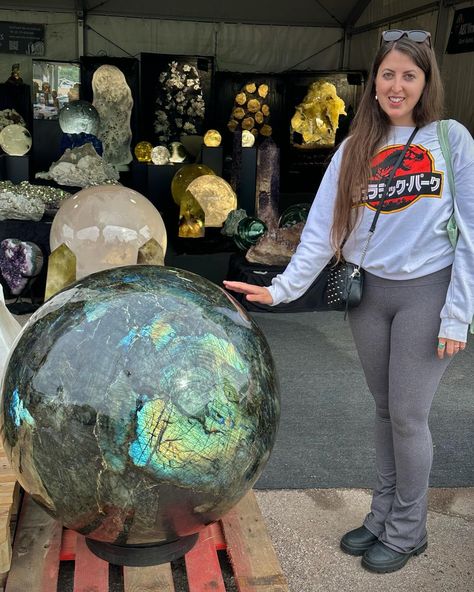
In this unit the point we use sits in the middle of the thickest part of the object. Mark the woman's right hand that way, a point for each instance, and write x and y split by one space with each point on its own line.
252 293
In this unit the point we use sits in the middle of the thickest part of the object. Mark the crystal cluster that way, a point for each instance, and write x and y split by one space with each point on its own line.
51 197
19 262
316 119
80 167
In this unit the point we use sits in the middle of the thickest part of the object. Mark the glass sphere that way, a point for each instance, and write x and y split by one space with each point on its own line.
249 230
139 405
79 117
294 214
183 178
15 140
105 226
143 151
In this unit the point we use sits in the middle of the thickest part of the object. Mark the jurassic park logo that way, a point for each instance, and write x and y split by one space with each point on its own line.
415 178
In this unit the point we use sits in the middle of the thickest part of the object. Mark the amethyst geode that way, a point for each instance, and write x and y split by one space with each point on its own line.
19 262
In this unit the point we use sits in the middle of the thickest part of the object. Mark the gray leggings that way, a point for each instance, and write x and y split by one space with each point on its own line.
395 329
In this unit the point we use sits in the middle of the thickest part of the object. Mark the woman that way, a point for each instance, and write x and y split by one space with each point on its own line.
419 290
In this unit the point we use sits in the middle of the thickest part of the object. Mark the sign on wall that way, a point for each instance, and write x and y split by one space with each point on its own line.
25 38
461 38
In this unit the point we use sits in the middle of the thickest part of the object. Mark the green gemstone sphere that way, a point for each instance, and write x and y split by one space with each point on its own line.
139 404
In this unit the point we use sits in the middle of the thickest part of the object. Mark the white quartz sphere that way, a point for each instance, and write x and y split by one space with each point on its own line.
105 226
15 140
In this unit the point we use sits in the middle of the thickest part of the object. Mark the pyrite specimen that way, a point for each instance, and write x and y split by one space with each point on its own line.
61 270
113 101
316 119
250 112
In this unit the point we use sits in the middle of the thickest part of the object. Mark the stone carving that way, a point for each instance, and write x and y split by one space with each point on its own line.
113 101
80 167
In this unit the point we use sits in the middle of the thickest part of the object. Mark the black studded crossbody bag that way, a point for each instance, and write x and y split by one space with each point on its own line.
345 280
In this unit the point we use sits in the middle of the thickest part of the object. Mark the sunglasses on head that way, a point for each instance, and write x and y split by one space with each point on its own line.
417 36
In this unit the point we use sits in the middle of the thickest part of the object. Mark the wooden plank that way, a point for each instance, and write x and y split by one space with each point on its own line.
215 530
256 567
91 574
35 537
68 547
148 579
202 565
51 561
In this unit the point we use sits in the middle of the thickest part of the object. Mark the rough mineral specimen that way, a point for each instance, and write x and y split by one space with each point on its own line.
276 247
19 262
80 167
16 206
51 197
316 118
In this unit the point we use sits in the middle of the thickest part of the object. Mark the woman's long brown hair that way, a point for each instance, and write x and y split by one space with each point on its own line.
370 129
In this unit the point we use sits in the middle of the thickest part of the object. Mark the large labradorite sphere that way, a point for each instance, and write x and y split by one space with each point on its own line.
185 176
79 117
105 226
139 404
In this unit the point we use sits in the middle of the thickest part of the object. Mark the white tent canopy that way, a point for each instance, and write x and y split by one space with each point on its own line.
245 36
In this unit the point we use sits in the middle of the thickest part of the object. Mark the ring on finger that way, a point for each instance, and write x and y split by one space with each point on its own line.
441 345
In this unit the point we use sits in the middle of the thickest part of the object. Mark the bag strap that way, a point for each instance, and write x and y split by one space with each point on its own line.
382 199
443 138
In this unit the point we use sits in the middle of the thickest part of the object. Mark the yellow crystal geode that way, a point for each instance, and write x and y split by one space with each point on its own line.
317 117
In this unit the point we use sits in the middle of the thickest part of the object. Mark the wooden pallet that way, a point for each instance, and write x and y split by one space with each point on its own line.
9 501
41 544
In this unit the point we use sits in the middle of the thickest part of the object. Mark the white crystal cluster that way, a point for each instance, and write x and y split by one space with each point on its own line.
17 206
80 167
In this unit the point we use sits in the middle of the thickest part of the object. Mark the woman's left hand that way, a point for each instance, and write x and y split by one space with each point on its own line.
449 347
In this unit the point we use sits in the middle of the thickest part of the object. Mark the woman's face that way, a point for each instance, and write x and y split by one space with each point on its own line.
399 85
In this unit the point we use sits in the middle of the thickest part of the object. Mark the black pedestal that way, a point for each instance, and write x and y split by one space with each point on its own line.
213 158
15 168
142 555
248 178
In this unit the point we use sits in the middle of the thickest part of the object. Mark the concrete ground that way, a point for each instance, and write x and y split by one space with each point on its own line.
305 527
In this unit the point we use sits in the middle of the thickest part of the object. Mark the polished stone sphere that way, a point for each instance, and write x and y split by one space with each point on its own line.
105 226
15 140
139 404
79 117
142 151
184 176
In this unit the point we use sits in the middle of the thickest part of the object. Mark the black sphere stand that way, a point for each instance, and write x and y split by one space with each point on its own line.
142 555
20 307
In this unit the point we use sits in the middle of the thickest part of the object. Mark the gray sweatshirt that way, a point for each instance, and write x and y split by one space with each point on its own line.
410 239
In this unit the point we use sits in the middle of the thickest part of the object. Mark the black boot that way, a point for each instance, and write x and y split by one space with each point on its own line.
357 541
381 559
